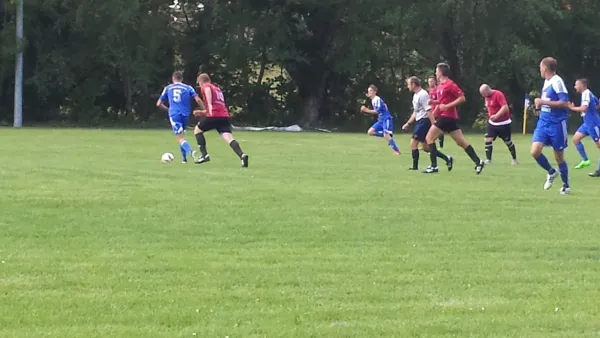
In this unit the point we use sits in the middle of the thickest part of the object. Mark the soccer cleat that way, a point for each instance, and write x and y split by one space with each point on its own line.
479 167
245 159
431 170
488 162
184 162
450 163
565 190
550 180
514 162
413 169
195 156
595 174
203 159
583 164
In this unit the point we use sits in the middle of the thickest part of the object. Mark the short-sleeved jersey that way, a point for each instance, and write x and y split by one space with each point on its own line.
554 90
179 96
381 108
219 108
448 92
590 117
420 104
494 103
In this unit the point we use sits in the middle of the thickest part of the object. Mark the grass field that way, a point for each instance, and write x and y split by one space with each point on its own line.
325 235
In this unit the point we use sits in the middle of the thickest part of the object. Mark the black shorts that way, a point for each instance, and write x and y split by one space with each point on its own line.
421 129
221 124
446 124
504 132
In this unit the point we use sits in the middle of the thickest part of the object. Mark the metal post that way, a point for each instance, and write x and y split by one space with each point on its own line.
18 123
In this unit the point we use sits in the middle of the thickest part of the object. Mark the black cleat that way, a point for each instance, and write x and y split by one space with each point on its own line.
479 167
413 169
245 159
595 174
203 159
450 163
431 170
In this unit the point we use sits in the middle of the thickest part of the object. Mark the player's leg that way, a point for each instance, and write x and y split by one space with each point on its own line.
559 139
581 133
595 135
202 127
178 124
433 134
441 141
490 137
414 148
376 129
506 136
540 139
388 134
460 140
224 128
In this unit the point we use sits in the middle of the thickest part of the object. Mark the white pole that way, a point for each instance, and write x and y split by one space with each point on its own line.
18 123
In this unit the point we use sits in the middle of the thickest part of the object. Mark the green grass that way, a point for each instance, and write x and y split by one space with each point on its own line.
326 235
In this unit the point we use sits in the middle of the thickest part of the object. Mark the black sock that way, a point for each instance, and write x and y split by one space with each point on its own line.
433 154
512 149
201 143
415 157
471 152
489 148
442 156
236 147
442 141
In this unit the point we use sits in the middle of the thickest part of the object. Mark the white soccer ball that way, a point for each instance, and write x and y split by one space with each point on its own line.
167 158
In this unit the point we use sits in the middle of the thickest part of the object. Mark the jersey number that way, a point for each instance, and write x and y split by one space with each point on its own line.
177 95
220 96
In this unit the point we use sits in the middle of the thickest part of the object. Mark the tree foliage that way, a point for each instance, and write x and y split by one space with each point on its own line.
284 61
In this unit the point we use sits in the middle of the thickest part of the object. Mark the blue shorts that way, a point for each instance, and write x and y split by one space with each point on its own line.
591 131
421 129
552 134
385 126
178 123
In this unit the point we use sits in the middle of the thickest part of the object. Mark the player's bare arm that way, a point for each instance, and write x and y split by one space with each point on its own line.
503 111
208 95
452 104
552 104
364 109
161 105
410 121
580 109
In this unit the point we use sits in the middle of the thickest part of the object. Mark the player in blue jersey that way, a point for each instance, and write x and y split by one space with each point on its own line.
591 123
179 97
551 129
384 127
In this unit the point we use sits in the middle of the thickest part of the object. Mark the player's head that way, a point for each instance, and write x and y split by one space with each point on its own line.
177 77
413 84
581 85
371 91
432 81
203 78
485 90
548 67
442 71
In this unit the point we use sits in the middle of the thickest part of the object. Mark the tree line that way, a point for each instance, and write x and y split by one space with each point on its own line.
283 62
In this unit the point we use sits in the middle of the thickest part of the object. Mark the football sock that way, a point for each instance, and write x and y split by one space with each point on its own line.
489 148
236 148
564 173
471 152
183 153
581 151
512 149
185 146
442 156
201 143
433 154
543 162
392 144
415 157
442 141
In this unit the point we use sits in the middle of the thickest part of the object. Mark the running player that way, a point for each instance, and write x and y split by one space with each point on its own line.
179 96
424 118
499 122
433 101
551 129
384 127
449 97
217 117
591 123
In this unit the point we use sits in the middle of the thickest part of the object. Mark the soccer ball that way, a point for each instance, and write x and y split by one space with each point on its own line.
167 158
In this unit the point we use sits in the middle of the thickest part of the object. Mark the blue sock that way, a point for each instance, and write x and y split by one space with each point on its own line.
186 147
392 144
543 162
564 173
183 153
581 151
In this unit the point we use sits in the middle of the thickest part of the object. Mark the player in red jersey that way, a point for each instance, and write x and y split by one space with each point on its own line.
449 97
433 101
216 117
499 122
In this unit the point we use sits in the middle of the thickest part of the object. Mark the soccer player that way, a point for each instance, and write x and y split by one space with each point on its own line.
449 96
179 96
551 129
499 122
217 117
591 123
433 101
424 118
384 127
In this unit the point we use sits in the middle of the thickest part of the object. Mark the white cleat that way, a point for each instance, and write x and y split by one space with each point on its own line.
487 162
515 162
550 180
195 156
565 190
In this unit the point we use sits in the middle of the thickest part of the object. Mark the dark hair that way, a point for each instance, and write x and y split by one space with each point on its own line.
414 80
550 63
178 76
432 77
584 81
374 88
444 69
